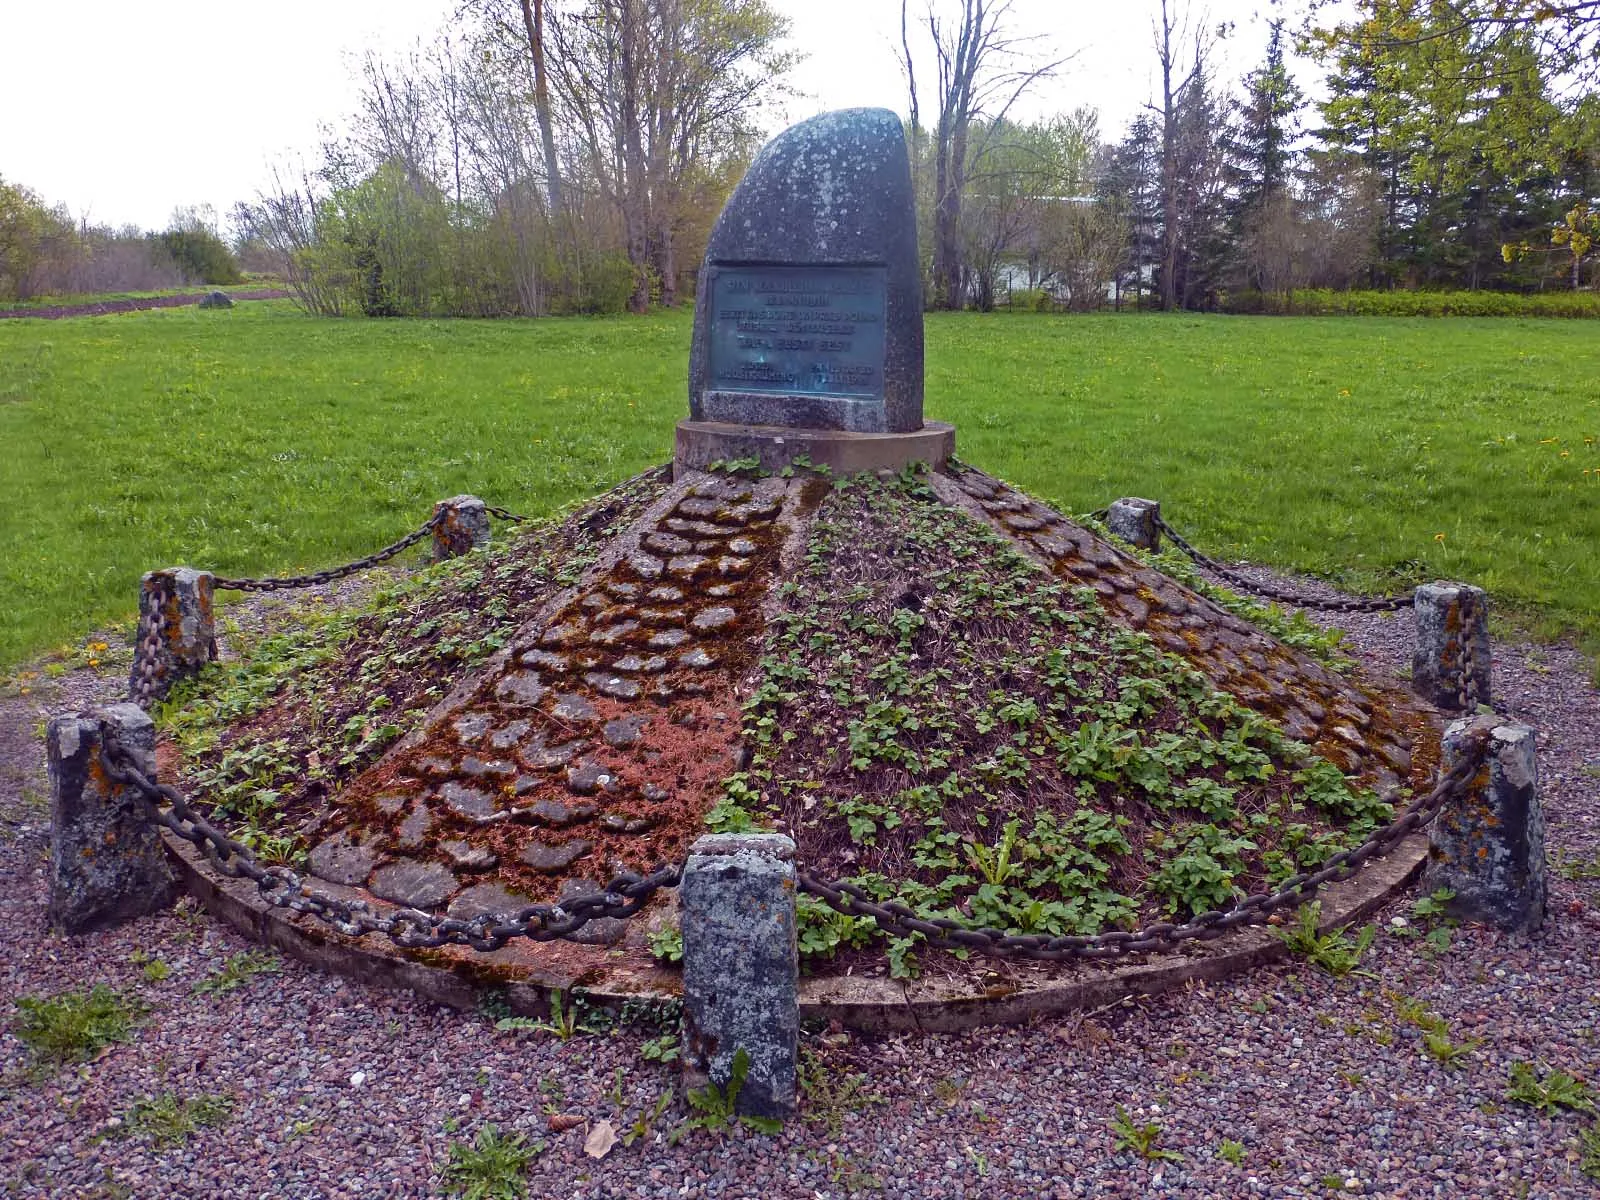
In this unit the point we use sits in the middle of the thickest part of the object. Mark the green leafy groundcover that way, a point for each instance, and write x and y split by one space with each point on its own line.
943 723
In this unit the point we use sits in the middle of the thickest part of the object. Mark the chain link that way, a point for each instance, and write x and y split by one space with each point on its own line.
333 573
148 643
411 928
1163 937
1467 693
1286 595
495 510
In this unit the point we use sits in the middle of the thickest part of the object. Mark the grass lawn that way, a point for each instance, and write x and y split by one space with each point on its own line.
257 440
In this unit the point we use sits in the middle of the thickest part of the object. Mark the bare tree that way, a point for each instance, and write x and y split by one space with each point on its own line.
1176 39
656 91
981 70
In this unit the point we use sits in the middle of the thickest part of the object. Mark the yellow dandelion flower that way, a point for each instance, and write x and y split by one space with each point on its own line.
1438 537
1566 454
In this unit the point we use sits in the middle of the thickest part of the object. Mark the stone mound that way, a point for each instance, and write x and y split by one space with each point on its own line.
632 705
947 692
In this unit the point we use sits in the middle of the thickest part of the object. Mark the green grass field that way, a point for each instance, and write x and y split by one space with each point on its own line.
1374 451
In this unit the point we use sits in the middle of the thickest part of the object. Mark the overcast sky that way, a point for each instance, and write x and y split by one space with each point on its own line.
125 111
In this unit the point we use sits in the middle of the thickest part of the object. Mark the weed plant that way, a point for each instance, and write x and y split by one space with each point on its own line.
74 1026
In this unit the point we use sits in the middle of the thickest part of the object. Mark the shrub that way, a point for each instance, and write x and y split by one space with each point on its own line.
1320 302
200 255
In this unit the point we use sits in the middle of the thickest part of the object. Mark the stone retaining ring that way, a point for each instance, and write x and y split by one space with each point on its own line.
525 974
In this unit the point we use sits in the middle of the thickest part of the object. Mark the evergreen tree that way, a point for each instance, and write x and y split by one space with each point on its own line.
1261 169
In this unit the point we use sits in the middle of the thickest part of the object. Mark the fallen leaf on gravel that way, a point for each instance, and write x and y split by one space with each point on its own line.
1095 1034
561 1122
600 1140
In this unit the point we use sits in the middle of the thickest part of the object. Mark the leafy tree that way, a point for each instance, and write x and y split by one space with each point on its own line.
30 233
1456 120
192 243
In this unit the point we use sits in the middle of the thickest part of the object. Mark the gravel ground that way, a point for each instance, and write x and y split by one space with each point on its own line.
345 1091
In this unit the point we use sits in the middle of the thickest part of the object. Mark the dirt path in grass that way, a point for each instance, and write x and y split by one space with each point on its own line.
100 308
1280 1083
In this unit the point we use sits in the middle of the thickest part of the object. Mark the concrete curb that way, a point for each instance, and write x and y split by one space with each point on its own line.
527 972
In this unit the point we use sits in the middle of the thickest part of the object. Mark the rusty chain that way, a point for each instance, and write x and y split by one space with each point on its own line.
333 573
148 641
494 510
1163 937
627 893
411 928
1286 595
1467 693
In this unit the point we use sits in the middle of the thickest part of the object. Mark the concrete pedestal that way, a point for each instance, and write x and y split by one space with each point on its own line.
701 443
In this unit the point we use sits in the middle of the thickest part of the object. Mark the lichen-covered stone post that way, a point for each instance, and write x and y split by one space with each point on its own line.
177 630
1135 521
741 967
463 526
106 861
1488 848
1450 666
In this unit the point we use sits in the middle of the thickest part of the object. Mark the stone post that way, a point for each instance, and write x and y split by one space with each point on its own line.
463 527
1450 667
741 967
106 860
1488 848
1134 521
177 630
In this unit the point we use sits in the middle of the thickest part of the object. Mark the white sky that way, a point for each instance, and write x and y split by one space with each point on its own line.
124 111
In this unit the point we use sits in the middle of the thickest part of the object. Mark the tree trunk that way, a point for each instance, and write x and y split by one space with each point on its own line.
533 20
1169 169
635 197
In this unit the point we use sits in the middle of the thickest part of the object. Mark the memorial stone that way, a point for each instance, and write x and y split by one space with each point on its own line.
809 306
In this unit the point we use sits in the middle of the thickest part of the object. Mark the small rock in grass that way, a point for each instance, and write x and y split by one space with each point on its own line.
484 898
508 735
414 829
635 665
545 660
557 815
475 768
472 726
686 564
645 566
